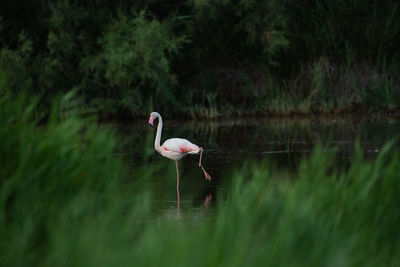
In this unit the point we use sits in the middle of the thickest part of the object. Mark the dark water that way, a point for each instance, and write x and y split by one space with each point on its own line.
229 144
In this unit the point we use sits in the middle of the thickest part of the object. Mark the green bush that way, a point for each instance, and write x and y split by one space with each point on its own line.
15 65
205 58
137 52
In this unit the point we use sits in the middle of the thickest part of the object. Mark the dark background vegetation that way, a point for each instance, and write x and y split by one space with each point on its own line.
204 58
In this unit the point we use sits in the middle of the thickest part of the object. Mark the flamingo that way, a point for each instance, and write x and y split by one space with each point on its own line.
175 148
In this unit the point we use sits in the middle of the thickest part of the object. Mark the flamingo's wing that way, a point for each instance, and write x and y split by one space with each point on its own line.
180 145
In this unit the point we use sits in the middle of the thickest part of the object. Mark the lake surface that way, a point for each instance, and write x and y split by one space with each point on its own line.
228 144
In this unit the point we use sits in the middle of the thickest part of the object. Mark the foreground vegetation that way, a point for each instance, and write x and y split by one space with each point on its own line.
204 58
66 201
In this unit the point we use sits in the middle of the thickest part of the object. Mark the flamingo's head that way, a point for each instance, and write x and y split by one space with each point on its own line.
153 116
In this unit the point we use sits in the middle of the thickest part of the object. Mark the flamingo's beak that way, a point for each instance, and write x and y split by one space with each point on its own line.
151 121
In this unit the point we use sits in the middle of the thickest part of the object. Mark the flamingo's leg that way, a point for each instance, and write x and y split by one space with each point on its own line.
201 155
177 183
208 177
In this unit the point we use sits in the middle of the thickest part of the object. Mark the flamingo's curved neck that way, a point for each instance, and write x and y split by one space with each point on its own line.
158 136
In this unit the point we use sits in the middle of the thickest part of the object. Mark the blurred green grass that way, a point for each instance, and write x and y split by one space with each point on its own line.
66 201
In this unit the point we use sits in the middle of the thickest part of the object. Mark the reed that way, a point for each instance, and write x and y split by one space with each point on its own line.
66 200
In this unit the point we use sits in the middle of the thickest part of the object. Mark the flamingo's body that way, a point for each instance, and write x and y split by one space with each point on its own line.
175 148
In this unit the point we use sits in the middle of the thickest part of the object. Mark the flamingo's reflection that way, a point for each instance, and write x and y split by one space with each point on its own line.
206 202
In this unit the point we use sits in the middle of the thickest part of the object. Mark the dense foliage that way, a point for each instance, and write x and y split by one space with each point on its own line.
203 57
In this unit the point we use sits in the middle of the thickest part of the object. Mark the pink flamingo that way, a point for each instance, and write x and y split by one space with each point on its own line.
175 148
